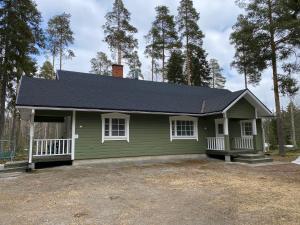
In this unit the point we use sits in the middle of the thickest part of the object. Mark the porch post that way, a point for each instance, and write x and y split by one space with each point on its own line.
31 134
226 138
254 131
73 135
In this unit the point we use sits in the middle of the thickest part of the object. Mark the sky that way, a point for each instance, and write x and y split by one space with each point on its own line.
216 20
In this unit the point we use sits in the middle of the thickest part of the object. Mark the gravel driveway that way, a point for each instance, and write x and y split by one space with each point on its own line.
187 192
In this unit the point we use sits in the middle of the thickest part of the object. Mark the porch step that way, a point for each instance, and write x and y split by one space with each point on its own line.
12 170
252 158
15 164
10 167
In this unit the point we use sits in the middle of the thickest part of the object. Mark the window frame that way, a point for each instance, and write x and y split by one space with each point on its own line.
183 118
242 125
112 116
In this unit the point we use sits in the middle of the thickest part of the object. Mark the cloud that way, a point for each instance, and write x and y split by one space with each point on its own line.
216 19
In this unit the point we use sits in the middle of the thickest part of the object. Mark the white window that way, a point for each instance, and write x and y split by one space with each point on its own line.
183 127
246 128
115 126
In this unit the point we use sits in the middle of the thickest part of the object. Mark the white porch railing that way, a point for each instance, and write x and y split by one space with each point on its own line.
243 143
52 147
215 143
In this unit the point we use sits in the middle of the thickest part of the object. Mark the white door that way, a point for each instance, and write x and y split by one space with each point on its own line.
219 123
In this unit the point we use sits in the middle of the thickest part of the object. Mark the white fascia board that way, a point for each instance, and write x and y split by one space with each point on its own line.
117 111
252 96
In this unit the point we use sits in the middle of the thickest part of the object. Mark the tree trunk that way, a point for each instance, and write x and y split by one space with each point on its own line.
163 53
119 56
275 83
246 82
53 62
2 102
245 71
188 60
293 125
152 68
60 58
13 142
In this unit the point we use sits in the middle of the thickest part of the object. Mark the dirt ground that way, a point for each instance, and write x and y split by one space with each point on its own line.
190 192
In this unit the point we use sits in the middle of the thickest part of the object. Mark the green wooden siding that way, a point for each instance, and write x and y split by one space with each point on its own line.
241 110
149 135
259 137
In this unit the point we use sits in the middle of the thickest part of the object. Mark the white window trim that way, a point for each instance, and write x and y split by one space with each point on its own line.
185 118
115 116
241 125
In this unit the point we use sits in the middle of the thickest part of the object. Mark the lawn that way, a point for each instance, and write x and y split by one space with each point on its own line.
187 192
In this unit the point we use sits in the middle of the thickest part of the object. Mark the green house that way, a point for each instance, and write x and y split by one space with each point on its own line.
113 117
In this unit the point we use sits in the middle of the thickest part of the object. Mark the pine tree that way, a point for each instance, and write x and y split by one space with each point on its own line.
192 36
101 65
275 30
135 64
59 37
47 71
152 51
200 70
164 37
21 37
217 79
245 58
119 32
175 68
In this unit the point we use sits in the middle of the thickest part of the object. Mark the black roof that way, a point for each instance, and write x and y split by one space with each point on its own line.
90 91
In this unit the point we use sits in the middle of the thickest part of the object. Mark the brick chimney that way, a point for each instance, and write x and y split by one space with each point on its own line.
117 70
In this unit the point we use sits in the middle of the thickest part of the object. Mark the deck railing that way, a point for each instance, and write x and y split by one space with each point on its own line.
216 143
52 147
243 143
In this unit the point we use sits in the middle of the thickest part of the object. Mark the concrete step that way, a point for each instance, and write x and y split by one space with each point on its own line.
16 164
251 156
12 170
253 160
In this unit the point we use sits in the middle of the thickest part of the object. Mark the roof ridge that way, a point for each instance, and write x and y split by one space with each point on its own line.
136 80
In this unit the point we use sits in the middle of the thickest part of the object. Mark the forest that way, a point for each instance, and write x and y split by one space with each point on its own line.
266 36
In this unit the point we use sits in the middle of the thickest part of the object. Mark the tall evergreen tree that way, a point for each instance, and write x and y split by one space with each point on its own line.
175 68
275 29
191 36
101 65
59 37
119 32
200 68
245 59
152 52
47 71
217 79
20 37
135 65
165 36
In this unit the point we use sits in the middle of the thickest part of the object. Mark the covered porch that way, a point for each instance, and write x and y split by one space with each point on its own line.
235 136
239 129
51 135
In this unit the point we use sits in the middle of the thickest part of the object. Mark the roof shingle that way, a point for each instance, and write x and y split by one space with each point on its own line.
89 91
